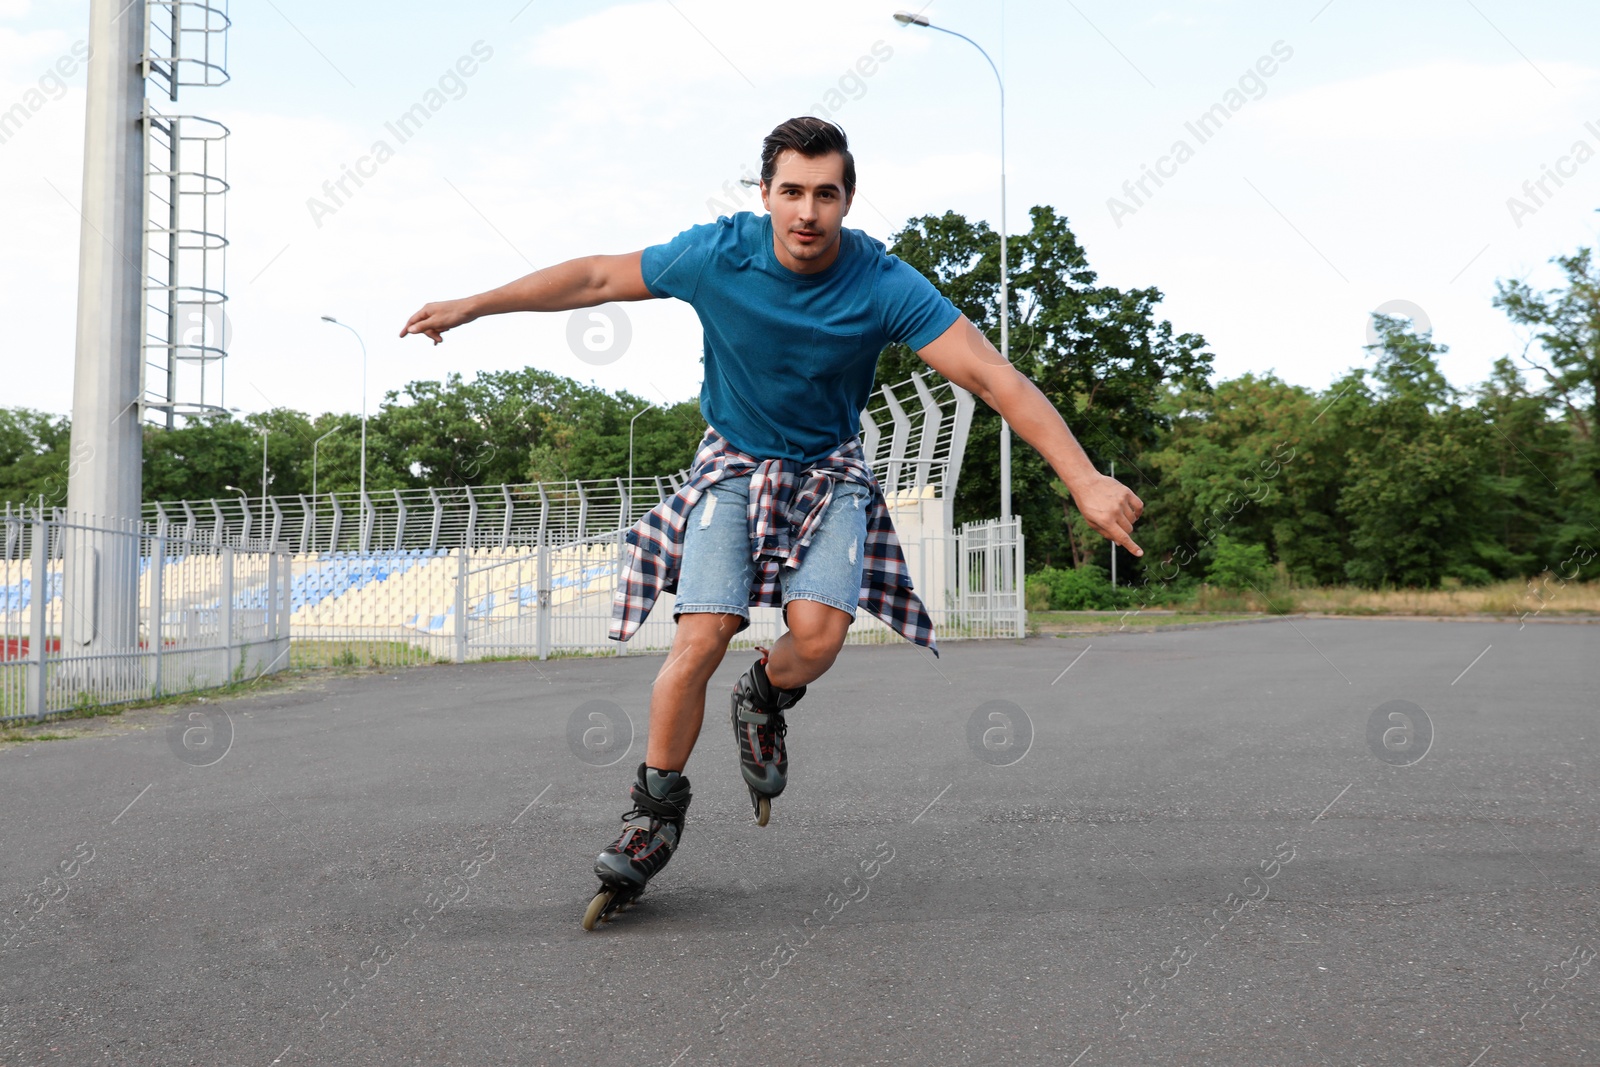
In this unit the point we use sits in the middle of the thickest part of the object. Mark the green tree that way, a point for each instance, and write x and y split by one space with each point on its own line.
199 460
1414 481
1256 458
35 457
1523 512
1565 323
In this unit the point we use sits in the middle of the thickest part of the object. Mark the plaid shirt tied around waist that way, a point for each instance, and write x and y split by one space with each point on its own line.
787 502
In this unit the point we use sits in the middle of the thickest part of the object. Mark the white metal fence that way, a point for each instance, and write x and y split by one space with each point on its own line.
195 615
458 605
94 613
233 588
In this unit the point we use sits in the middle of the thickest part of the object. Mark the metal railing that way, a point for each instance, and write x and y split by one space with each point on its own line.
390 609
94 614
237 587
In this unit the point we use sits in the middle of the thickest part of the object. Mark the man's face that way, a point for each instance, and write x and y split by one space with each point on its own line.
808 205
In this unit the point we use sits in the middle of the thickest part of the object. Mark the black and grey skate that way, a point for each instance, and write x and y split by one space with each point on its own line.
759 729
651 831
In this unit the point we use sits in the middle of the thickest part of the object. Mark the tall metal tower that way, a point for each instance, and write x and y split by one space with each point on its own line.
105 390
109 399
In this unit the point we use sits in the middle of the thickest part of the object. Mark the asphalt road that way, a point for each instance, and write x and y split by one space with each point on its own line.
1192 847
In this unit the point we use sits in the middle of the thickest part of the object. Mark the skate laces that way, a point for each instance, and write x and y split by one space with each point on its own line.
771 737
635 839
640 827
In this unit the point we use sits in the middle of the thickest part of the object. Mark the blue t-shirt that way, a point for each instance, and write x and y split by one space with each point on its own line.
789 357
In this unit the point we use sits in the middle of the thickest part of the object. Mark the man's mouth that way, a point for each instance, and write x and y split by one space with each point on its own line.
806 236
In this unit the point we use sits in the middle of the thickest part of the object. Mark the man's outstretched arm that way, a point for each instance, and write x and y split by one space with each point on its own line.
577 283
965 356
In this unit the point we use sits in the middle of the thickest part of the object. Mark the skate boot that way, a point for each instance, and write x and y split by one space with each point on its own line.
759 729
650 832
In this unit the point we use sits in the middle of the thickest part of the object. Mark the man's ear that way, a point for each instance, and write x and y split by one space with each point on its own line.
764 191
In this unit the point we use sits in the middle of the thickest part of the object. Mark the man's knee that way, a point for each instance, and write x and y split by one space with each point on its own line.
702 639
818 631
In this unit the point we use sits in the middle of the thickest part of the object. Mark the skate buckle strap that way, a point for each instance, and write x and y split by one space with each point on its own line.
760 718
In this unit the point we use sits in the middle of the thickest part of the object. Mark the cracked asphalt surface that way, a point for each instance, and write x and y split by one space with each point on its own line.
1212 846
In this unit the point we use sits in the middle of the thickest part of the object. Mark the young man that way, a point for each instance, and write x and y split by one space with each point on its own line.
780 507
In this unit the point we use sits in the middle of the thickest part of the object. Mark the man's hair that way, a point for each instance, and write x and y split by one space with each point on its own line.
811 137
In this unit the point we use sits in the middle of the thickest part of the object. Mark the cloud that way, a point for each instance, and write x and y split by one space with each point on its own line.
25 56
716 42
1445 100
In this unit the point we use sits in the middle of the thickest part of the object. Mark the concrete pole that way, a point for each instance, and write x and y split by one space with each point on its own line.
105 484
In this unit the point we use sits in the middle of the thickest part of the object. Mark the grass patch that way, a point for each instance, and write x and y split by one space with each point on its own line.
1545 595
1049 622
21 731
312 655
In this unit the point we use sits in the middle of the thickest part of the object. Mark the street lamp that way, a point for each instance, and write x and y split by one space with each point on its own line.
265 433
244 506
906 18
363 344
314 445
627 503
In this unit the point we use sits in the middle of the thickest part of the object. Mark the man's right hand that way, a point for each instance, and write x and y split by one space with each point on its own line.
434 319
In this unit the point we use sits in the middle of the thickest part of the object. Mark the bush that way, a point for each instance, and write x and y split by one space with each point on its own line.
1085 588
1237 566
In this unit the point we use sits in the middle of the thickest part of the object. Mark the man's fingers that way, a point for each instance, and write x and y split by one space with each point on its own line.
429 323
1120 532
413 323
1124 537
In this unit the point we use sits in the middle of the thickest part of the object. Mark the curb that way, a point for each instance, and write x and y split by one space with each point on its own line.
1574 620
1174 626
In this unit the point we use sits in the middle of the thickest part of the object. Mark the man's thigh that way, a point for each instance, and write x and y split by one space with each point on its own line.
716 570
831 572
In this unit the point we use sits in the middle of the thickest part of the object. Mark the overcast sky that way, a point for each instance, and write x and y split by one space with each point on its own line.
1368 155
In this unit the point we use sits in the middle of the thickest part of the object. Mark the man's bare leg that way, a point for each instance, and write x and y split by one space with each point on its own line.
804 654
678 700
764 692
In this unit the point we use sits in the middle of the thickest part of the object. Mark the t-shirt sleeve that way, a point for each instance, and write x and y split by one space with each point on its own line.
673 269
912 310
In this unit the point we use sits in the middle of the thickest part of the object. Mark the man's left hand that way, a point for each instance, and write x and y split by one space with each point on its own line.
1111 509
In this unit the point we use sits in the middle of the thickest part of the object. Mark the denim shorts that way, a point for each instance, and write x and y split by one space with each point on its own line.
717 571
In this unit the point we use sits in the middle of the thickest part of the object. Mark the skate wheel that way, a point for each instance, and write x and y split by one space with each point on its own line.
763 810
597 907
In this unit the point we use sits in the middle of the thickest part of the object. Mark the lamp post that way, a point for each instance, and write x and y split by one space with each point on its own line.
627 503
363 344
314 446
265 433
906 18
244 505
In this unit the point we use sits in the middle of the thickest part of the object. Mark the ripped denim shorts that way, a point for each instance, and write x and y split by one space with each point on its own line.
716 570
